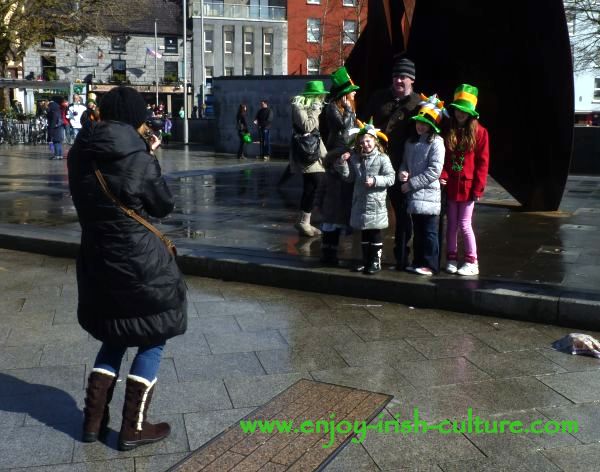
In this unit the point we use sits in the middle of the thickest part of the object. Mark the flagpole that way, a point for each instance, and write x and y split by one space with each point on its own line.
156 60
185 101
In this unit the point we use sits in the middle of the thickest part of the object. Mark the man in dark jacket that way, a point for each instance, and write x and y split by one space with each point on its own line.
56 128
131 292
391 109
263 119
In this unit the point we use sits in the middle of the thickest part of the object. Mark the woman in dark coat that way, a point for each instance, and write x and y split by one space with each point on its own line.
56 127
131 292
242 129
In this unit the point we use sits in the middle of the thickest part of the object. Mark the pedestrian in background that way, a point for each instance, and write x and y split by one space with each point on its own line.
74 113
130 291
56 127
242 130
264 119
372 173
464 177
306 109
419 173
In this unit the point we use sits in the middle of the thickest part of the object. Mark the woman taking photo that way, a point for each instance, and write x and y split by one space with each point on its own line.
131 292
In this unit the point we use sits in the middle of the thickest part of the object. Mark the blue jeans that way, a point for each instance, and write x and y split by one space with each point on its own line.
57 149
145 364
265 142
426 247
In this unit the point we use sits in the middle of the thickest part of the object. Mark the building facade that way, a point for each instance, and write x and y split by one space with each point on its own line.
237 38
321 33
153 64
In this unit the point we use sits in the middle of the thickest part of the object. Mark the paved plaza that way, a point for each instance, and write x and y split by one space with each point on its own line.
248 342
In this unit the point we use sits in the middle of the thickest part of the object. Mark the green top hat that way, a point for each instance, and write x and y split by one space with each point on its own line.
314 87
341 83
465 99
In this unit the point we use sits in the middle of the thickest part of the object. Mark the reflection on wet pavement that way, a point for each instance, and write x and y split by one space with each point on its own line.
222 202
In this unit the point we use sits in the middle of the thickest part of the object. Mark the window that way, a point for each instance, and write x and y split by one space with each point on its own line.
171 45
349 3
208 40
313 2
228 71
118 43
313 30
208 77
312 66
228 41
49 68
268 71
597 89
267 44
48 43
349 32
119 70
248 42
248 71
171 72
570 21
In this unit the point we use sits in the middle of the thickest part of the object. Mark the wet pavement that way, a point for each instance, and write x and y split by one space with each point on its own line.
247 343
233 221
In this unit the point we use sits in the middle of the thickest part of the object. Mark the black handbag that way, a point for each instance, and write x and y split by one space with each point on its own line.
306 147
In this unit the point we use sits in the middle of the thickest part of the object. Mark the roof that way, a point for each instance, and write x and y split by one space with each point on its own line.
167 13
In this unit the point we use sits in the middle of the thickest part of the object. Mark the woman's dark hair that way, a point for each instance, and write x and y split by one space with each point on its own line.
124 104
242 109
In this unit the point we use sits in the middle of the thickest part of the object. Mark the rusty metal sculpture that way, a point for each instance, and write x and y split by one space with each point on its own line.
519 57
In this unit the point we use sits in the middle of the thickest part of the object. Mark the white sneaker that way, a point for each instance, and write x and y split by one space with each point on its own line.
410 269
452 267
424 271
469 268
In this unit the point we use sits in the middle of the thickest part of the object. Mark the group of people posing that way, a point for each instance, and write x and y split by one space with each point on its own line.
401 152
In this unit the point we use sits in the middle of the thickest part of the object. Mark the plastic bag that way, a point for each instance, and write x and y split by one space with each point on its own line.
247 137
578 344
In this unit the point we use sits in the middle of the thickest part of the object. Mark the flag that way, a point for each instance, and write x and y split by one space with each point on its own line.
153 53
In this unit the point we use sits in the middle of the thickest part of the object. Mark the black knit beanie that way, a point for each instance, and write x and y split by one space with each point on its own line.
403 66
123 104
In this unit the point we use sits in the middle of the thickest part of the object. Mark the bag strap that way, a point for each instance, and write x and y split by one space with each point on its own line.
131 213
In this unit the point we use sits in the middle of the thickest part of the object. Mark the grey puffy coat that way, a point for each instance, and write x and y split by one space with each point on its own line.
424 161
369 209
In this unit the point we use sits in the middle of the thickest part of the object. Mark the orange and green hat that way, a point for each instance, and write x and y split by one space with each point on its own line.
465 99
431 112
341 84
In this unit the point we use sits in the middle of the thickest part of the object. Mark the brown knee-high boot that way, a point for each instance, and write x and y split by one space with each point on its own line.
99 392
135 430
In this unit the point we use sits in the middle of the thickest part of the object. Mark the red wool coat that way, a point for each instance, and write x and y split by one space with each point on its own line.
469 183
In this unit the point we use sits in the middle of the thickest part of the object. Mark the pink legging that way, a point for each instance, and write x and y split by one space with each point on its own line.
459 217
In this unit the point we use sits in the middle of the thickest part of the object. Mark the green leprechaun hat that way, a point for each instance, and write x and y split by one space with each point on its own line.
465 99
431 112
314 87
341 84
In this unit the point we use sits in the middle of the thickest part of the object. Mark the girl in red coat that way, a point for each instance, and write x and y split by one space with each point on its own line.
464 176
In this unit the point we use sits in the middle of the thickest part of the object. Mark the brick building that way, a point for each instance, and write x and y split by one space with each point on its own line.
321 33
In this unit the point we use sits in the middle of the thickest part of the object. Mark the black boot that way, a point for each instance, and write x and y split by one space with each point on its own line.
374 265
329 248
360 267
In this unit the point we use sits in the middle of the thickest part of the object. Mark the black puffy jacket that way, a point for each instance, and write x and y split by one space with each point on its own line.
131 291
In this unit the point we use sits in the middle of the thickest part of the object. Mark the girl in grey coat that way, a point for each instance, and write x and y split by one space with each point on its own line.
420 171
372 173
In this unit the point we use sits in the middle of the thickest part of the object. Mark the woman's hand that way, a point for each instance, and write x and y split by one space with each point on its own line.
370 182
443 181
405 187
345 156
154 142
403 176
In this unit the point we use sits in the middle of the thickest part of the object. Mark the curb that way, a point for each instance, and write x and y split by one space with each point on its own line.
540 303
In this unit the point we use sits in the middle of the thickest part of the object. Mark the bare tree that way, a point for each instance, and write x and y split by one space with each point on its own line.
583 21
28 22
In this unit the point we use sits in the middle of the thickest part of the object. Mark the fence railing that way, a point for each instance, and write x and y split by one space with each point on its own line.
235 10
